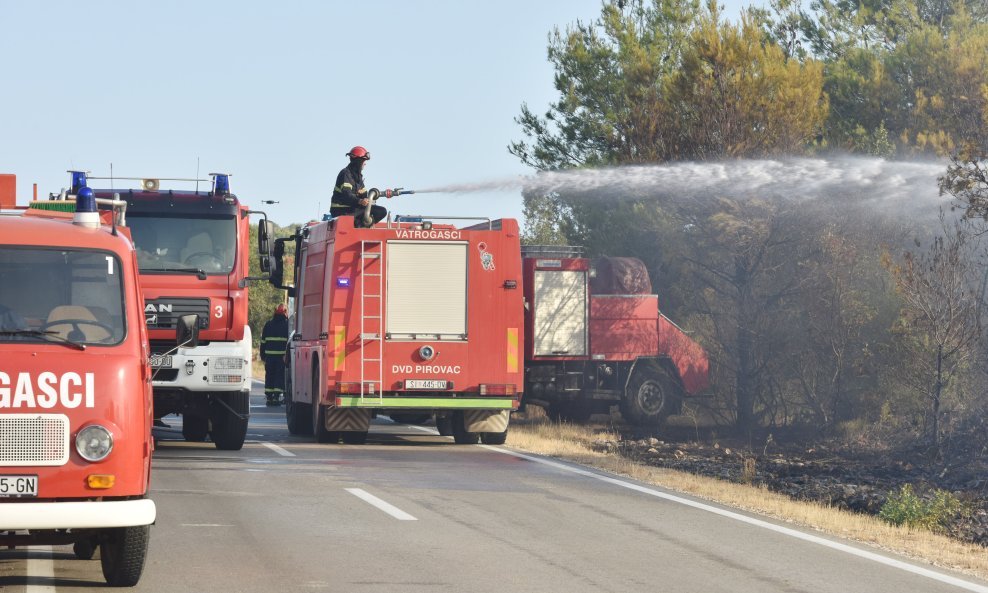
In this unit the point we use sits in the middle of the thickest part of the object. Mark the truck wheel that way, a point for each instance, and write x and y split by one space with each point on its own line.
648 400
460 434
444 424
354 437
122 553
410 418
229 429
195 429
297 414
494 438
319 412
84 549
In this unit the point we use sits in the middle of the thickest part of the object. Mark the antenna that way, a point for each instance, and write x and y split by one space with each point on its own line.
111 187
197 174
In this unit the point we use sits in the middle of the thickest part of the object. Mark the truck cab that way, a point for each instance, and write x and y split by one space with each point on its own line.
75 388
192 251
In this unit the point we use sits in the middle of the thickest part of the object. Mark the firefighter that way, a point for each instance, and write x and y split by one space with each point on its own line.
350 195
274 342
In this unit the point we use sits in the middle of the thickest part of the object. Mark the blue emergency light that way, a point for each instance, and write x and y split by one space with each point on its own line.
78 181
85 208
343 282
85 199
221 184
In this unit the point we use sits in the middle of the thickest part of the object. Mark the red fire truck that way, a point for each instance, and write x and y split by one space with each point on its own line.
192 249
75 391
596 338
407 317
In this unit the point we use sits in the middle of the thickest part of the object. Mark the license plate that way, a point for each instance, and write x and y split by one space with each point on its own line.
425 384
18 486
161 361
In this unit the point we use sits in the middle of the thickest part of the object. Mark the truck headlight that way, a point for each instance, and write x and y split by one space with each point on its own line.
94 443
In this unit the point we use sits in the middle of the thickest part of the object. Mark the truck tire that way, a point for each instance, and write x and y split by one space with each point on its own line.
444 424
410 418
460 434
649 399
494 438
319 426
122 553
297 414
85 549
351 437
319 412
195 429
229 428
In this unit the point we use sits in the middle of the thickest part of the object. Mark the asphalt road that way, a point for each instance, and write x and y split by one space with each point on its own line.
411 511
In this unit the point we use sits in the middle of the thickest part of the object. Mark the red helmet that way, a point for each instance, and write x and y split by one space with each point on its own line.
359 152
281 309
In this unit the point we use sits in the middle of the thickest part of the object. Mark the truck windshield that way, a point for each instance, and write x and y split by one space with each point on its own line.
168 243
52 294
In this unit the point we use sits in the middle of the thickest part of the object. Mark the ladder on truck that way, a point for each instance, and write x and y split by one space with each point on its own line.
371 319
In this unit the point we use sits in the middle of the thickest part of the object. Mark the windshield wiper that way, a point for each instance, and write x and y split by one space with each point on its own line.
37 333
197 271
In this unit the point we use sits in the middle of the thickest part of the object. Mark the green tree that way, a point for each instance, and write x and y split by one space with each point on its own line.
263 298
737 95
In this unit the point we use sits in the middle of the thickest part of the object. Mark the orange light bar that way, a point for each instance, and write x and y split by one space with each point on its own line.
101 481
498 389
348 387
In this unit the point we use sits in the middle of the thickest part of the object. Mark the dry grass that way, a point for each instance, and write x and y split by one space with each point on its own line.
573 443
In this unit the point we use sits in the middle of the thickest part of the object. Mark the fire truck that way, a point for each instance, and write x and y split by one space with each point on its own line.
192 249
405 317
596 338
75 385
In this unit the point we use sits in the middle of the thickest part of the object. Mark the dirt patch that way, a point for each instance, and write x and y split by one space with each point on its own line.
856 476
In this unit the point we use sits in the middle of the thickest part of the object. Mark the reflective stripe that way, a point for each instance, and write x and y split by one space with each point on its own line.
271 352
275 339
343 187
339 344
512 349
273 390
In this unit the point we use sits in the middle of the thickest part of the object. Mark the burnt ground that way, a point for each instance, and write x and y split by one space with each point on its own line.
855 475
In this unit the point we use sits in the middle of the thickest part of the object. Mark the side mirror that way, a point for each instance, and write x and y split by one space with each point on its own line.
187 331
265 230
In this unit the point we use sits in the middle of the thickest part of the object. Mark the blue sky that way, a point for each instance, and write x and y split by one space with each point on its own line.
276 93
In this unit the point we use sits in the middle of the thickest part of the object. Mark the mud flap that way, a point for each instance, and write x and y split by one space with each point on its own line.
347 420
486 420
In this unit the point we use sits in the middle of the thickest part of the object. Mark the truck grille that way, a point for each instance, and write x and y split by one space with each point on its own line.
163 313
34 439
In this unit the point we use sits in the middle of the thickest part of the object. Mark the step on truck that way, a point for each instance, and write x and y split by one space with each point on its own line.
75 387
596 338
192 249
406 318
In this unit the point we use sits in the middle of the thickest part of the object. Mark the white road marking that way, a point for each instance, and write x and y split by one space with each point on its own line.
894 563
205 525
278 450
384 506
39 566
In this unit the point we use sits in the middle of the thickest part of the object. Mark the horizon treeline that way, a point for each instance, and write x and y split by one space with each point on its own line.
826 315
